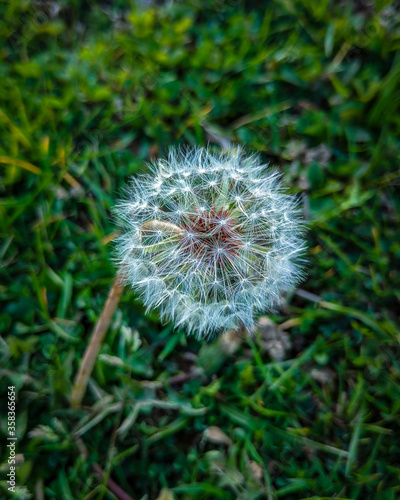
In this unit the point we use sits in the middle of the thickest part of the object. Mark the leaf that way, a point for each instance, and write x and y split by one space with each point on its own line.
20 163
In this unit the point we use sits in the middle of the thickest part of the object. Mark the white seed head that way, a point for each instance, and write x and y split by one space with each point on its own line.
217 242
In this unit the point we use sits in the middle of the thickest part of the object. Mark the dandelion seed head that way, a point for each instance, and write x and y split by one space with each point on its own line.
218 242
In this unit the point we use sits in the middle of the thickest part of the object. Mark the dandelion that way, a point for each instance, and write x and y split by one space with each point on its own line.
210 239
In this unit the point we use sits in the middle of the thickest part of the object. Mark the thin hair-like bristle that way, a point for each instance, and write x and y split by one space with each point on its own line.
210 239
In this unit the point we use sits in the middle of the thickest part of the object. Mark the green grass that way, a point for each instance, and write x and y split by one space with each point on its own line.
90 91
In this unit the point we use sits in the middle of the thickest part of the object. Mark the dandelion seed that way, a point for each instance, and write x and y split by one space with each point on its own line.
212 255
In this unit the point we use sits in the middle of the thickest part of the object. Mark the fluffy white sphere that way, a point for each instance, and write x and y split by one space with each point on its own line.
210 239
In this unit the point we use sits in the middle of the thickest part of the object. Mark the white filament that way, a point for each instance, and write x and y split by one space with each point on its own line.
176 260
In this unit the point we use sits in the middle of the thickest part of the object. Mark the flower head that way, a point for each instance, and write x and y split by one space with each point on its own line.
210 239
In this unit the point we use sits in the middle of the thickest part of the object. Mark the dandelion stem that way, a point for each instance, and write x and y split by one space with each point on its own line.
95 342
151 248
159 225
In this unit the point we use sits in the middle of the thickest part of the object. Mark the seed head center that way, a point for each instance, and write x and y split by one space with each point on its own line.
211 236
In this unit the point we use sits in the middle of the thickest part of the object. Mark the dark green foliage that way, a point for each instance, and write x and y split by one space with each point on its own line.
90 91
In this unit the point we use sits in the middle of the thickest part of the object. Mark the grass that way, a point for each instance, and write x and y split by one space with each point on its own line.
90 91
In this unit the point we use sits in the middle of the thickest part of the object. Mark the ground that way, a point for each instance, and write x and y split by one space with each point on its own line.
308 407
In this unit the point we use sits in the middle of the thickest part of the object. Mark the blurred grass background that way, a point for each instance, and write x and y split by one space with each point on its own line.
309 407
